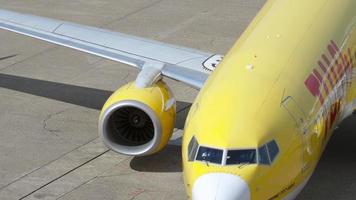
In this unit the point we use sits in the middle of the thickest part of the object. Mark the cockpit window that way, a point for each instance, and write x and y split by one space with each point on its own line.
268 153
246 156
192 149
211 155
263 155
273 150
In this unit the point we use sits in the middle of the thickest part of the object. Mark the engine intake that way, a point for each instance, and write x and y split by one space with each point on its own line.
138 121
131 126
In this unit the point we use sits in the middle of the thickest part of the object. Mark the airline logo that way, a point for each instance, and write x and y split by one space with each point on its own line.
331 68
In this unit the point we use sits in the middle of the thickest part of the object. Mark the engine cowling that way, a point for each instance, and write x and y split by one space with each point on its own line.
138 121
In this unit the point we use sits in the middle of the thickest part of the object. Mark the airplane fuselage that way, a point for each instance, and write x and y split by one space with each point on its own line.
262 119
267 112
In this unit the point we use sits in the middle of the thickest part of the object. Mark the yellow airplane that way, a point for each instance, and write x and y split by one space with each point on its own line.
261 120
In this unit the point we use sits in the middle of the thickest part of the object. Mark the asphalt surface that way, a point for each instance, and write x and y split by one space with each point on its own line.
50 99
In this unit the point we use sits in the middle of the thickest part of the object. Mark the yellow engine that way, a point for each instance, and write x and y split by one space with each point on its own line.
138 121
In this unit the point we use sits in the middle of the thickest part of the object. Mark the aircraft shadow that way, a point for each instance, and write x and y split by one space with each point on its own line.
335 176
77 95
169 160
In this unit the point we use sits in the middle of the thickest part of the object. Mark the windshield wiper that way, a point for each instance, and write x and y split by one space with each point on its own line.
243 165
207 162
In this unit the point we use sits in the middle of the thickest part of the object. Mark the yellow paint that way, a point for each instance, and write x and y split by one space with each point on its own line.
245 108
154 97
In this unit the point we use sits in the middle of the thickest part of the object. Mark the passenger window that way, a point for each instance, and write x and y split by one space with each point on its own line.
247 156
192 149
210 155
263 155
273 150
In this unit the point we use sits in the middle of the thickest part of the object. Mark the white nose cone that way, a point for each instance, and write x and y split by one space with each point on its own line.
220 186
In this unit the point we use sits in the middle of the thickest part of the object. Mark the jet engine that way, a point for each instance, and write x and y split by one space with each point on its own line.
138 121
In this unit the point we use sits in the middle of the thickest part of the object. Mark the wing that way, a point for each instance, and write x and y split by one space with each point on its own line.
183 64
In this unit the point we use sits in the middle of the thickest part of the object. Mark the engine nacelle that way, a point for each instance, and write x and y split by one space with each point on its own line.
138 121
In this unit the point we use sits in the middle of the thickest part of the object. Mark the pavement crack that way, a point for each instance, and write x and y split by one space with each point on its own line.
49 117
136 193
28 58
132 13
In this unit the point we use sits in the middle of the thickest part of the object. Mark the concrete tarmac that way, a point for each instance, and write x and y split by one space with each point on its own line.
50 99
